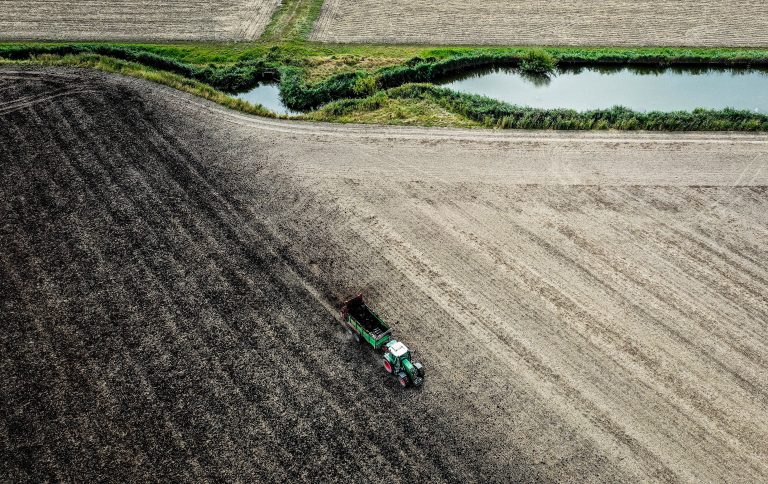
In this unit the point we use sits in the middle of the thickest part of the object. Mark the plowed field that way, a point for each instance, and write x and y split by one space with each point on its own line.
221 20
589 306
572 22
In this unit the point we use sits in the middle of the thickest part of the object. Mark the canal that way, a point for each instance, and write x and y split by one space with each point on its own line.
640 89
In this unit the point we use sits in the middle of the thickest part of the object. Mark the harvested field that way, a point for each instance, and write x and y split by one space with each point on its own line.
589 306
572 22
141 20
154 327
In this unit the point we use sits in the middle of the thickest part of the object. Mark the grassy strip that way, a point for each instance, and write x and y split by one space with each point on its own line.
292 21
134 69
382 109
496 114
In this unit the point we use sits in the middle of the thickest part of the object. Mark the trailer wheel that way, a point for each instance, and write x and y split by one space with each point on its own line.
356 336
387 366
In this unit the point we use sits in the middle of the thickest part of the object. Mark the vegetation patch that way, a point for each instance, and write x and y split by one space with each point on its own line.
382 109
353 73
497 114
537 62
292 21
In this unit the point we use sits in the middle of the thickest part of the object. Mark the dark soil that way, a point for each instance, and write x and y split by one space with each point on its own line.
153 329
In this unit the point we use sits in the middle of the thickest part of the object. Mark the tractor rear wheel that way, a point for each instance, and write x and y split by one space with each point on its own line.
387 366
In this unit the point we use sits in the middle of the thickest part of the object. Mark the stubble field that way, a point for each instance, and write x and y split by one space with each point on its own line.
143 20
572 22
589 306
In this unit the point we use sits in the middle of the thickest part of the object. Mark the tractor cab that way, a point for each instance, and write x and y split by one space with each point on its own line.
397 360
398 350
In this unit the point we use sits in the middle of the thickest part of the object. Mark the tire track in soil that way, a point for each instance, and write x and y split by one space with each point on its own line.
144 309
569 22
147 190
136 20
409 261
42 125
593 272
421 226
374 222
577 321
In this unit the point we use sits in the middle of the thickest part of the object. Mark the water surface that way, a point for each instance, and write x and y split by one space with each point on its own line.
268 95
640 89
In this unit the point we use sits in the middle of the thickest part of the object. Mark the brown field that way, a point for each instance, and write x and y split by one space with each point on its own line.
571 22
589 306
204 20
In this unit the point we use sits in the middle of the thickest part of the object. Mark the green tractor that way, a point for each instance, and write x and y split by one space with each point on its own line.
365 326
397 361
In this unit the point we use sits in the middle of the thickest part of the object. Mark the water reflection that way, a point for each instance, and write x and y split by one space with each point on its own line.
636 87
268 95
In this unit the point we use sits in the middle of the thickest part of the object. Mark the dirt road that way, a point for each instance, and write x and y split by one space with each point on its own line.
222 20
589 306
571 22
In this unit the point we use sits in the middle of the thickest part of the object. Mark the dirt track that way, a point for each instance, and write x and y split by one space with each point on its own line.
221 20
572 22
590 306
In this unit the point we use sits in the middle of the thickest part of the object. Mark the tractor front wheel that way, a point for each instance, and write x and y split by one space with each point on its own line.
403 380
387 366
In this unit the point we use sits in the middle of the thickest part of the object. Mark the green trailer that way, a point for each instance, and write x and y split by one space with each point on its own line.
367 327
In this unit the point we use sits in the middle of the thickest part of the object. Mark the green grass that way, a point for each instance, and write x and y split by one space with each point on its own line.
292 22
382 109
299 51
373 83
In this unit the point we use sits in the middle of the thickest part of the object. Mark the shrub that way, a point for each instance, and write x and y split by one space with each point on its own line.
301 96
537 62
364 86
